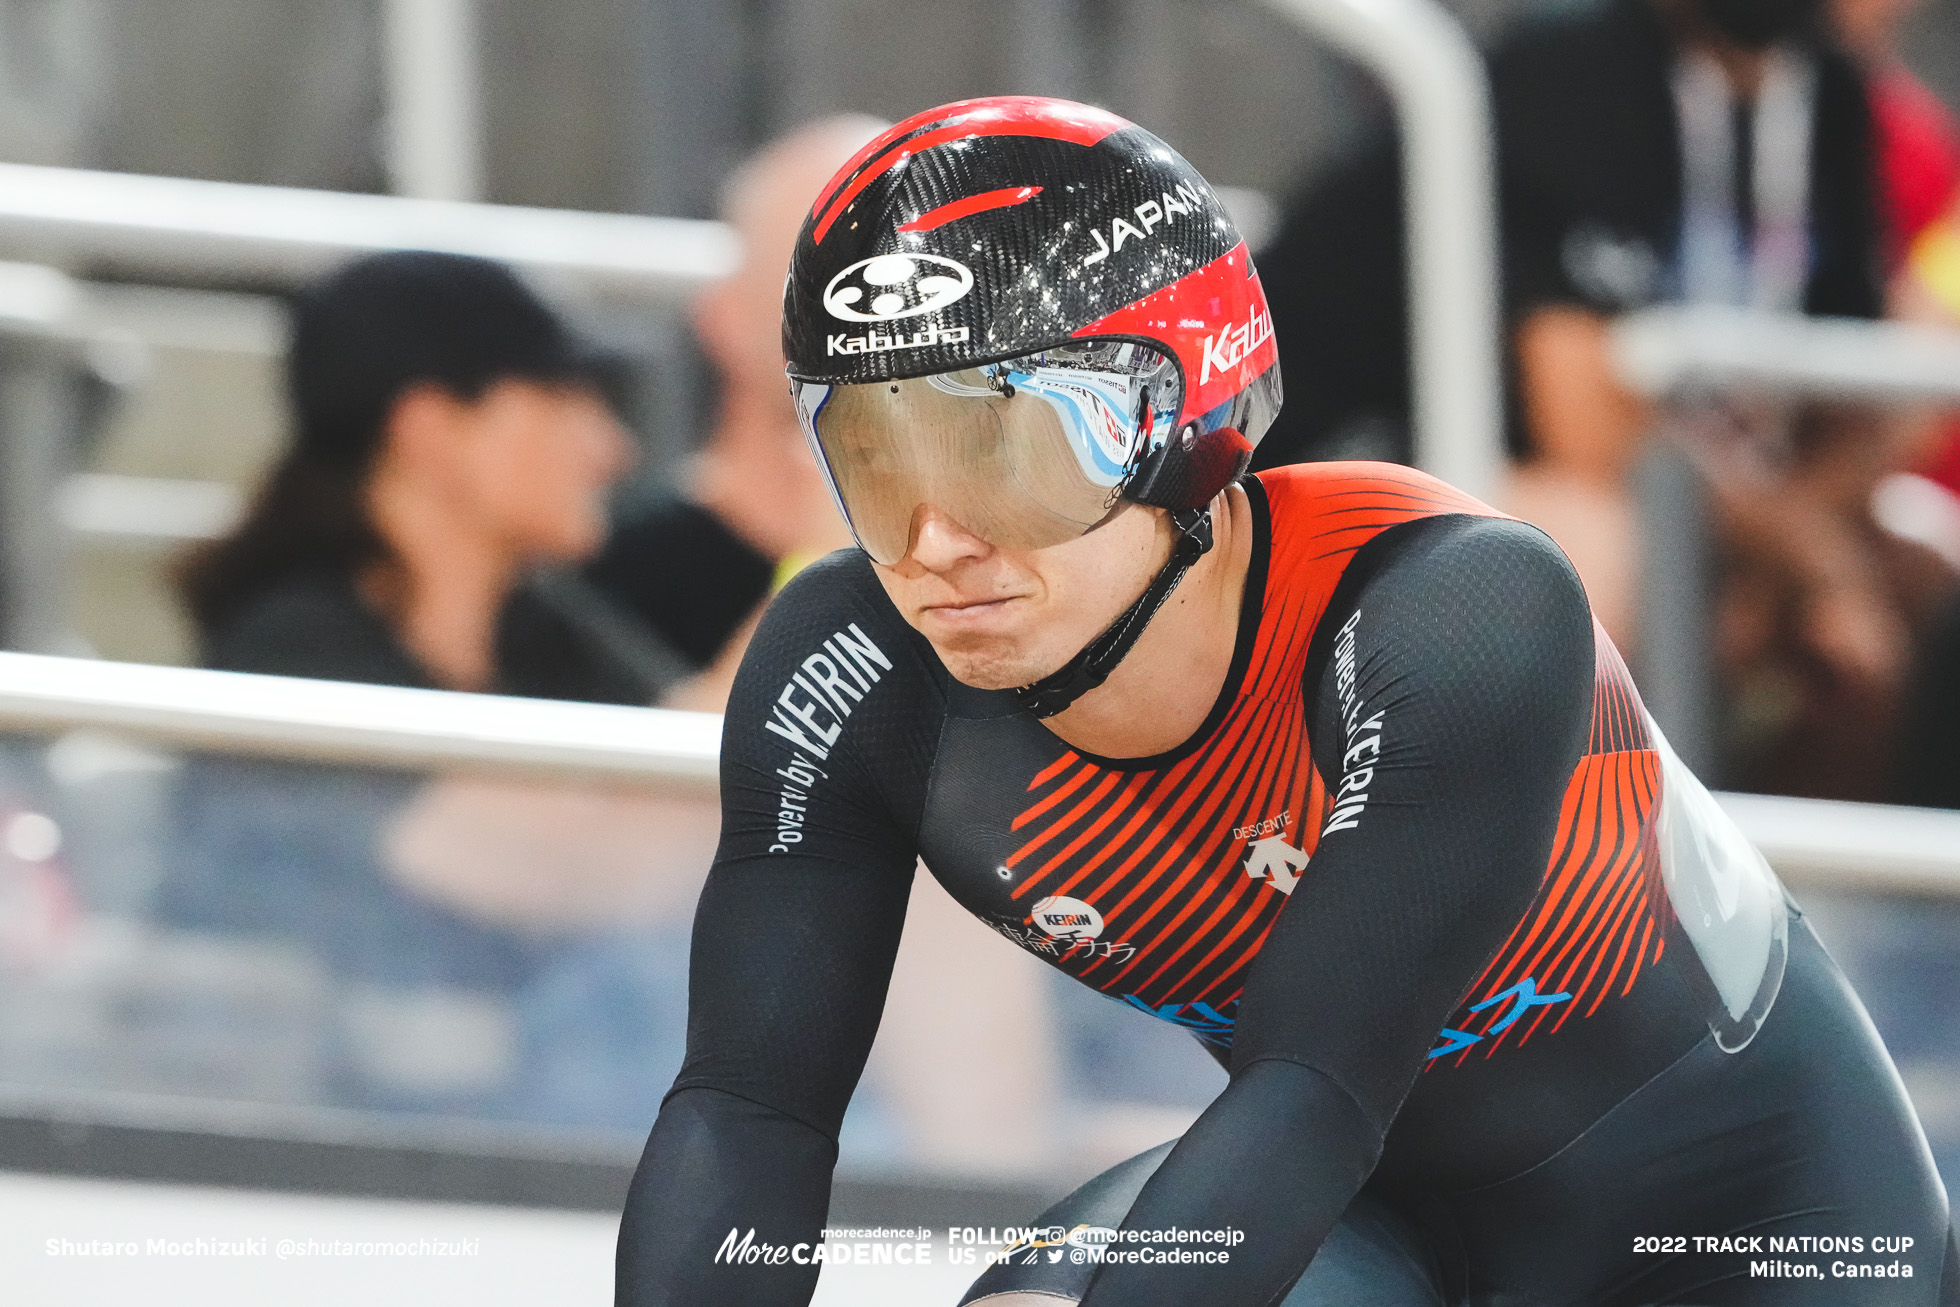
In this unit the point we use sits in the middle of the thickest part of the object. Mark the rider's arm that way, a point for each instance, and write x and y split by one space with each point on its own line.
793 945
1472 667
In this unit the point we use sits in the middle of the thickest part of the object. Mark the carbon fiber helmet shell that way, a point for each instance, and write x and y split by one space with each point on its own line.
993 228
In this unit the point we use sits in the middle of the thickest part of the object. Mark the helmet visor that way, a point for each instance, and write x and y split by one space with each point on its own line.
1024 453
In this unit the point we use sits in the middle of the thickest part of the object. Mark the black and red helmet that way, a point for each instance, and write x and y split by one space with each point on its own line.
1013 247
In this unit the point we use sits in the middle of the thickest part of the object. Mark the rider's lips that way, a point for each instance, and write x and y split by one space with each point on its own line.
969 614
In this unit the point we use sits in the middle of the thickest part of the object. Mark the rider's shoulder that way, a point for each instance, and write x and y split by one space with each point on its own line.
835 604
1320 516
842 577
1324 516
1322 490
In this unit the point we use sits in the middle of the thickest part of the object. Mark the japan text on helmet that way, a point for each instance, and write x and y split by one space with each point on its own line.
1024 311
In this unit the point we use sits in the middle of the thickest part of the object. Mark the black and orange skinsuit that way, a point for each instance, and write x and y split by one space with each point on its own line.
1506 1003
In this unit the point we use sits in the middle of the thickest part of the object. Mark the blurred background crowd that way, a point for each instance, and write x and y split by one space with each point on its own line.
421 470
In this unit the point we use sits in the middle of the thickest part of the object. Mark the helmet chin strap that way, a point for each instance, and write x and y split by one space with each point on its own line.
1090 668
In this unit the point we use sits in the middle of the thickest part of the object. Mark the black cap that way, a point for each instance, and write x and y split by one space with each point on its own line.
388 321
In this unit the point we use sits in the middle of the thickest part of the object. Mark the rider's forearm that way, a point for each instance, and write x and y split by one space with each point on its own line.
716 1168
1278 1155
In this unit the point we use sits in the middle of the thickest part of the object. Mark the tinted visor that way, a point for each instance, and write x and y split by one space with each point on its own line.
1025 453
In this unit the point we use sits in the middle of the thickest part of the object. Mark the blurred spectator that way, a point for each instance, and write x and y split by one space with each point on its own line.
499 947
1916 139
450 438
452 445
753 506
1704 150
1919 176
1917 142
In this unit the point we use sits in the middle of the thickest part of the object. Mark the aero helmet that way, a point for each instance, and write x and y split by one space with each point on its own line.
1025 311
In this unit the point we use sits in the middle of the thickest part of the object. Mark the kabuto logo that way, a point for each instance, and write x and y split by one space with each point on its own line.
893 286
875 341
1229 348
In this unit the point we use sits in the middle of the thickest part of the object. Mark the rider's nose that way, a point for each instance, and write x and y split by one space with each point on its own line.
939 542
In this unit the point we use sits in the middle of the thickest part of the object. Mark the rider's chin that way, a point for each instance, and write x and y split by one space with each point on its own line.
996 666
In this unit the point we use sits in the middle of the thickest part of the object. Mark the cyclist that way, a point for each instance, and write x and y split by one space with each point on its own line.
1329 765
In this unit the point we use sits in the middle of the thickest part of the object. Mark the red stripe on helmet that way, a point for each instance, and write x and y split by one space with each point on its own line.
1215 321
877 145
1002 115
1005 198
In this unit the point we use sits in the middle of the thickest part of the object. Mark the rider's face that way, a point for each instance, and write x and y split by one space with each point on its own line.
1000 618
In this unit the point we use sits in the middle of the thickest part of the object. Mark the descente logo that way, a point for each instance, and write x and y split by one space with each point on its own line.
876 342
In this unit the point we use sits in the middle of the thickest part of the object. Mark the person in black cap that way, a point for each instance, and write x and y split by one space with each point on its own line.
452 449
450 441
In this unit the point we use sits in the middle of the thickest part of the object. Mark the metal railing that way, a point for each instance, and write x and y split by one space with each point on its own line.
1852 845
175 229
339 721
434 119
1843 847
1675 350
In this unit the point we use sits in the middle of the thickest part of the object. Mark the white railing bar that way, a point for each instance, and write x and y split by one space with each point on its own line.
174 228
160 510
338 721
1857 847
1442 103
1664 351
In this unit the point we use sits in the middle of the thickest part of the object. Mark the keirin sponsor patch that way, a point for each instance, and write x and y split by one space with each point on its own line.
1066 918
810 713
1364 738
